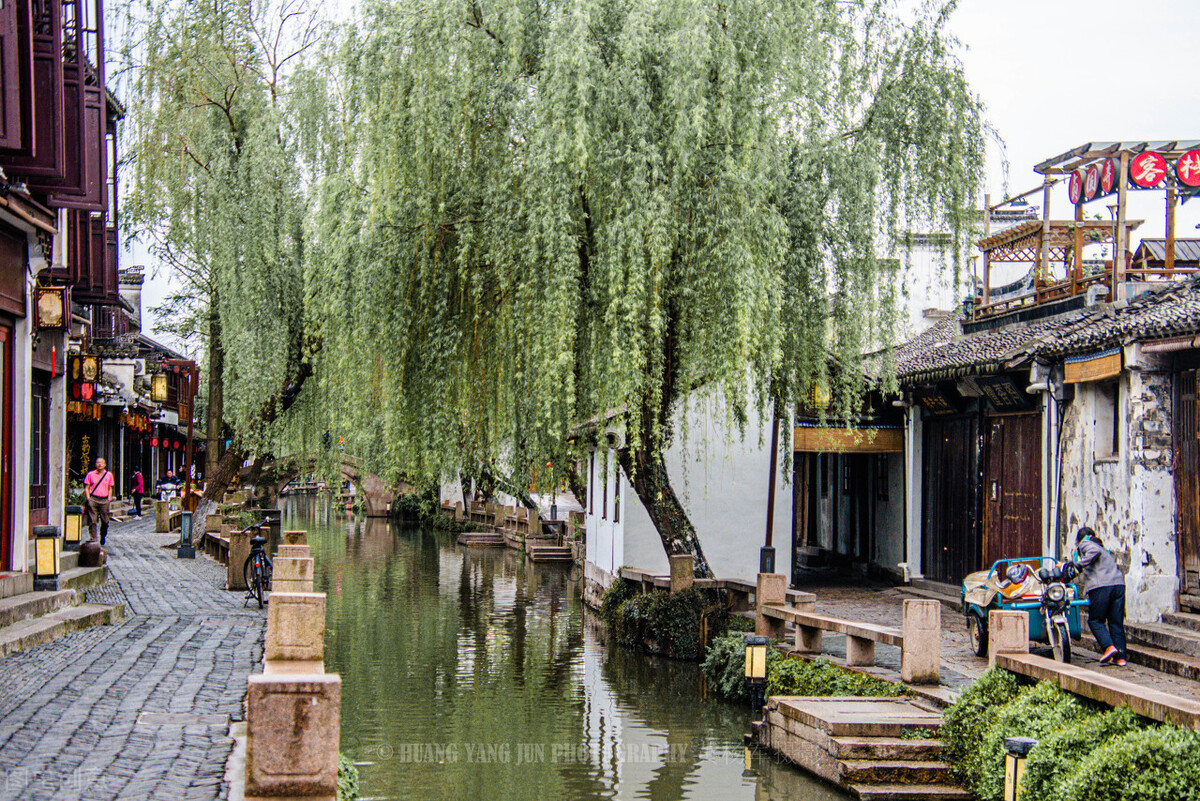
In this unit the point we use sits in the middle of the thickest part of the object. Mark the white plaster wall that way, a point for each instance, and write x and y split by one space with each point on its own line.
1128 499
890 519
606 536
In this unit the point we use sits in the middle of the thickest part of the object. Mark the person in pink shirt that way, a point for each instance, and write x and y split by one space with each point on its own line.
139 489
98 487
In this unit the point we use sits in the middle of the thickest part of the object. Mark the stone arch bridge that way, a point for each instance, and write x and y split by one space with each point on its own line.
377 495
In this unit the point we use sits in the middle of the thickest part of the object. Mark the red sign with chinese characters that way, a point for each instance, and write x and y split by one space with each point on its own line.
1148 169
1108 176
1187 169
1091 182
1075 187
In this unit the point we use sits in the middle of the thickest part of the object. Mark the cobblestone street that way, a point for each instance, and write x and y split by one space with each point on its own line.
139 710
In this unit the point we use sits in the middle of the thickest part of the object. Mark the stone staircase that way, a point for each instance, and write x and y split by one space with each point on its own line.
29 617
485 538
865 745
549 552
1171 646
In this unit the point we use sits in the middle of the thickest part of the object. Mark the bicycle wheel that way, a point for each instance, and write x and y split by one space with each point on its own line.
253 575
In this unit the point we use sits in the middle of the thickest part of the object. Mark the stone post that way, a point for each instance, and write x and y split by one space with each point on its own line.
921 657
292 575
295 641
292 726
683 571
212 523
1008 633
293 538
771 589
293 552
239 552
162 517
458 511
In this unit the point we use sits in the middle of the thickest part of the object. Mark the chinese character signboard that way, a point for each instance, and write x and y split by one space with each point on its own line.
1187 169
934 401
1003 393
1147 170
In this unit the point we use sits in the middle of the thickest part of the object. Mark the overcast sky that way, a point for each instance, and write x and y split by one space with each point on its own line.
1054 74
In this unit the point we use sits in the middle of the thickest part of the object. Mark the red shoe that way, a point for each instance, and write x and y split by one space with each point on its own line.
1110 653
1121 662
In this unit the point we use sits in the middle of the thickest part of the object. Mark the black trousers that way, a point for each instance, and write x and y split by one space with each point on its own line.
1106 616
137 503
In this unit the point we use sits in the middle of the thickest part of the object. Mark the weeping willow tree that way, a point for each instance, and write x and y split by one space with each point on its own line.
550 212
218 194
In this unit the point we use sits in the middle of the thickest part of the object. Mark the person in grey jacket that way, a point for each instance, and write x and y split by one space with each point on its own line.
1106 594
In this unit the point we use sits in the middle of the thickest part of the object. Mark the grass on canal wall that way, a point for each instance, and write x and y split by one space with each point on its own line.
1085 750
663 623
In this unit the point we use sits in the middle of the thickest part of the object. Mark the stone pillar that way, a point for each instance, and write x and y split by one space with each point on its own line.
212 523
458 512
771 589
162 517
293 538
292 726
860 652
239 552
292 575
1008 633
921 657
683 571
293 552
295 641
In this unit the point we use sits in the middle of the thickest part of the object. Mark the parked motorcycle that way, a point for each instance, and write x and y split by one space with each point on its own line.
1047 594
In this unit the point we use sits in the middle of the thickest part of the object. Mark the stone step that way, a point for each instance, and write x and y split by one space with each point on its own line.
909 792
894 771
34 604
1187 667
28 633
887 748
80 578
1190 601
68 560
1165 636
480 538
1184 620
15 584
549 553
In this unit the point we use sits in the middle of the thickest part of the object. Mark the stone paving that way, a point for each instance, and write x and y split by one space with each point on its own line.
883 605
139 710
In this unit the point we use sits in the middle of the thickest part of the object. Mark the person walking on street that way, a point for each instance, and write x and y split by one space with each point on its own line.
97 486
139 489
1106 594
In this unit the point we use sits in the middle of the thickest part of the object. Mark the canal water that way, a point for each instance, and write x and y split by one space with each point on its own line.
474 674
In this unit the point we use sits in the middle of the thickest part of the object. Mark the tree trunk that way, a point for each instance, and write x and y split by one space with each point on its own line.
216 390
647 473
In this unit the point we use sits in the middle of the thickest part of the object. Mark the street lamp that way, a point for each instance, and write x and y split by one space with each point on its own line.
756 666
45 557
72 527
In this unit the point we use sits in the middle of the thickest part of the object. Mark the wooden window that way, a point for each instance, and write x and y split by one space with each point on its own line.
604 491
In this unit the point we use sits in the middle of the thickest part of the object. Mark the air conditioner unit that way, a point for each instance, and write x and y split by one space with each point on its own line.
139 366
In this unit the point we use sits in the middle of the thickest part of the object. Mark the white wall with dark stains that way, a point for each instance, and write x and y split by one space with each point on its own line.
1128 497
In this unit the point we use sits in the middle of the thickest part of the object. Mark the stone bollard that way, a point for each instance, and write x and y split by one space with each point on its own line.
292 727
239 552
771 589
295 641
212 523
458 512
683 571
921 657
1008 633
293 552
293 538
292 575
162 517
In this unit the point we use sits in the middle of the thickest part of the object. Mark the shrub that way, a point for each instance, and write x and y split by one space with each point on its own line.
822 678
1056 757
662 623
1154 764
347 787
965 723
1037 713
617 594
725 666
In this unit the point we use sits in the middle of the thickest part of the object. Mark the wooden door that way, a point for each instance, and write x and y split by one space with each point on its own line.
1012 486
1187 489
6 424
949 503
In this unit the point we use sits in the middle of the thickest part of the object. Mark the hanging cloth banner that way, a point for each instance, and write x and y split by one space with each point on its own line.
1092 367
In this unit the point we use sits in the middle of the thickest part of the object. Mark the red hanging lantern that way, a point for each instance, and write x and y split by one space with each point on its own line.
154 442
176 444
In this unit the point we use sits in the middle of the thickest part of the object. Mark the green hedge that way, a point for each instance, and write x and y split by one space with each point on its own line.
823 678
1084 751
662 623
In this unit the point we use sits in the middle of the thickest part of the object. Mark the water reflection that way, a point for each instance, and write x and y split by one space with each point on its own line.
472 674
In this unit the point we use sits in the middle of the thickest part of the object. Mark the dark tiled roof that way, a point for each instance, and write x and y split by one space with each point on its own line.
1156 249
1168 311
981 352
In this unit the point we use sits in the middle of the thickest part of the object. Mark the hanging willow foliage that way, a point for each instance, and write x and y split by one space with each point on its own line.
217 191
537 213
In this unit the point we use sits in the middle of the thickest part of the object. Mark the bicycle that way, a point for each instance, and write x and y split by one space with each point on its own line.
257 569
